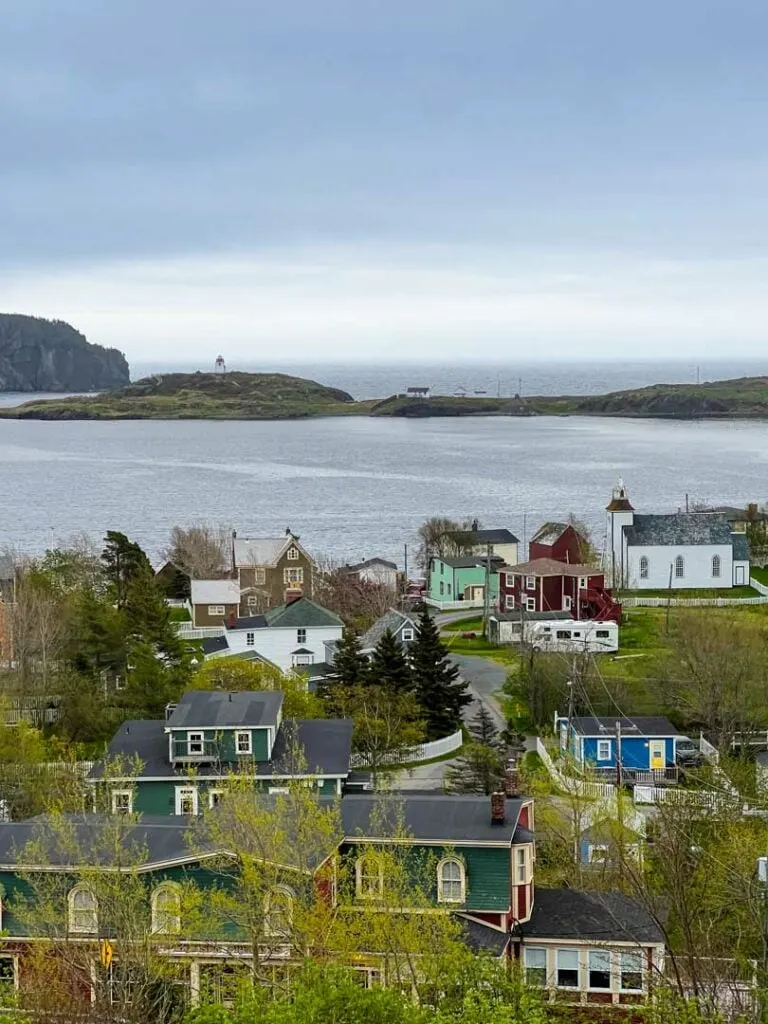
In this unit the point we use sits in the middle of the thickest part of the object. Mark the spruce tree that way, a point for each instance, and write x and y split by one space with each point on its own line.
438 688
390 667
122 559
478 769
483 731
350 665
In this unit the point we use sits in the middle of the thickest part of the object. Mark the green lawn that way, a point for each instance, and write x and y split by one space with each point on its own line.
474 624
732 592
761 575
483 648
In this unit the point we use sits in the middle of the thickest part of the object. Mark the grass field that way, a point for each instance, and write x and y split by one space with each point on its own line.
691 594
761 575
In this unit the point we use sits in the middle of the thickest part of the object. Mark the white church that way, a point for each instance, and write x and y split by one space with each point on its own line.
698 550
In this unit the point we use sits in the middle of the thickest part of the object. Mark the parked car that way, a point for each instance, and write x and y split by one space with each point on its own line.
687 754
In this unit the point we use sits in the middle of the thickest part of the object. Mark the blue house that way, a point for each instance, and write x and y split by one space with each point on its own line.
640 744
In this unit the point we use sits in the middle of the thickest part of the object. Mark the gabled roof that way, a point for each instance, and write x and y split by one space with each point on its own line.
262 551
215 592
301 613
467 537
471 561
367 564
590 917
214 709
214 644
549 533
638 725
517 615
391 620
551 567
430 817
678 529
740 546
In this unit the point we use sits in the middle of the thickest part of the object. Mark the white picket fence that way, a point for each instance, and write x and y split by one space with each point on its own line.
424 752
758 586
691 602
682 797
453 606
187 632
572 784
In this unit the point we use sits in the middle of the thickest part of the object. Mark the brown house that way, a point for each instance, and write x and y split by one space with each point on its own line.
214 602
270 571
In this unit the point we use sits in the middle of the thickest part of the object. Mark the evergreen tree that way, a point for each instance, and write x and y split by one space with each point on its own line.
390 667
122 559
148 616
350 666
438 688
478 769
483 731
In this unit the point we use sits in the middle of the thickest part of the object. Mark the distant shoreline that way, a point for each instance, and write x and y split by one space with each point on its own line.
246 396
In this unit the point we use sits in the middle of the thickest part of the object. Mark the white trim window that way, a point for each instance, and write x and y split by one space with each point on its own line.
568 968
250 639
717 567
369 877
567 603
530 604
679 567
83 911
122 801
521 865
195 743
644 568
603 750
166 909
535 961
278 912
530 582
631 972
451 881
599 970
293 575
301 659
293 554
582 582
597 853
301 635
244 742
215 797
186 800
252 600
216 609
259 577
406 635
9 974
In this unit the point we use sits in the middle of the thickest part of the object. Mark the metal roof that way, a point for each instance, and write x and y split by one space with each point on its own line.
484 537
215 592
259 551
678 529
646 725
430 816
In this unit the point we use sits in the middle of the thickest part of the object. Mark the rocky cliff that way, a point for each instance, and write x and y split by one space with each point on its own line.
49 355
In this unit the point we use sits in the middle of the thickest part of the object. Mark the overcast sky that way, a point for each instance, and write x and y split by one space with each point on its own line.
404 179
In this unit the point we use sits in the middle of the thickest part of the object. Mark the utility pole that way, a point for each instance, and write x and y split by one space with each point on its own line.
669 595
618 756
487 589
405 562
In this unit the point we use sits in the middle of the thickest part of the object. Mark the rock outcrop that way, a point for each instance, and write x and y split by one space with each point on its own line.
49 355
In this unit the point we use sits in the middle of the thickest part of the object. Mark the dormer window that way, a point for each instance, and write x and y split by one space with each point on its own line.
406 635
293 554
195 743
243 743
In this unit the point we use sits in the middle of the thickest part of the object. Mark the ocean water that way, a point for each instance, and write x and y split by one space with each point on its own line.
358 487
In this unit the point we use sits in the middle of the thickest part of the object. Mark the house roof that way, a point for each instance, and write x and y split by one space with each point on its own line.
217 709
482 938
740 546
215 592
301 613
367 563
391 620
429 816
214 644
484 537
260 551
324 743
646 725
549 533
469 561
247 622
589 916
742 515
678 529
551 567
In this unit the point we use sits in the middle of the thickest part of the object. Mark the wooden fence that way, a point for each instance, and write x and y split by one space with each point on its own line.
417 755
691 602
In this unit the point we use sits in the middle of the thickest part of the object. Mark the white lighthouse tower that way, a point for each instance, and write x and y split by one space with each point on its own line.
620 514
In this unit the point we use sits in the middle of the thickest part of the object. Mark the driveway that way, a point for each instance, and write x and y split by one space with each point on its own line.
486 678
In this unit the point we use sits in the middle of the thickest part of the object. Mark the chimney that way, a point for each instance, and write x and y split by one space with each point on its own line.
292 595
511 786
497 808
752 510
287 531
475 525
232 619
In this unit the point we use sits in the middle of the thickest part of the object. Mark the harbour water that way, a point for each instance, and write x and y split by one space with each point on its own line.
355 487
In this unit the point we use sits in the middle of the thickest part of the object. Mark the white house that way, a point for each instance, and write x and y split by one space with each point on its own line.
376 571
291 635
695 550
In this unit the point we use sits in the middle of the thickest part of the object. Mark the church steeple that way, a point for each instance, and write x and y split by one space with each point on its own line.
619 500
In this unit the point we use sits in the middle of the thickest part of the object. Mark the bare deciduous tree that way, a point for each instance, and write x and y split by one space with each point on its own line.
199 550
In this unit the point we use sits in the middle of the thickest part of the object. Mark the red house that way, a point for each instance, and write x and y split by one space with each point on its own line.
546 585
560 541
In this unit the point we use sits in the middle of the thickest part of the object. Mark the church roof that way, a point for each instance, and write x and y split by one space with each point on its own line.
678 529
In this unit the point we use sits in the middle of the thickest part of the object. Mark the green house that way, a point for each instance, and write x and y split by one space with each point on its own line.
178 765
471 855
463 579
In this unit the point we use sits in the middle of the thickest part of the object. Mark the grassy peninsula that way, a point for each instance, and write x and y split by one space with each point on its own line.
270 396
